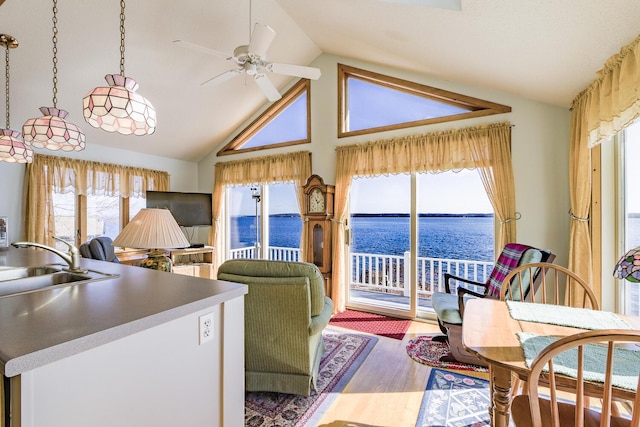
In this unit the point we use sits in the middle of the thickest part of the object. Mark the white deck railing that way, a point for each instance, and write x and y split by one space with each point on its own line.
386 273
275 253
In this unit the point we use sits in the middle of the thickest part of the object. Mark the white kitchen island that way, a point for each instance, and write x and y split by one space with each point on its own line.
123 351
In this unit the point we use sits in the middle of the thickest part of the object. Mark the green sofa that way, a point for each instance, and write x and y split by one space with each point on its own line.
285 312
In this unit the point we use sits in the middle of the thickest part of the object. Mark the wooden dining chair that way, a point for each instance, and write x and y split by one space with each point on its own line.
555 285
599 368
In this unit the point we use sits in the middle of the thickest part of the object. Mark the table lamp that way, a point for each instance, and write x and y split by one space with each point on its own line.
629 266
154 229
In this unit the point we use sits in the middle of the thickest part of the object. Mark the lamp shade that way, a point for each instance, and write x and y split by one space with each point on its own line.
12 149
628 267
53 132
152 229
119 108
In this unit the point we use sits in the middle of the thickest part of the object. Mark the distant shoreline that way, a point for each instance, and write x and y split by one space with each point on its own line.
394 215
422 215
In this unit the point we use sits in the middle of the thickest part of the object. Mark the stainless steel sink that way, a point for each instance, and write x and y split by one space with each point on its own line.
19 280
13 273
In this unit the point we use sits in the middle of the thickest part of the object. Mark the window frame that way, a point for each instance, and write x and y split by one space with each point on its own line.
235 145
478 106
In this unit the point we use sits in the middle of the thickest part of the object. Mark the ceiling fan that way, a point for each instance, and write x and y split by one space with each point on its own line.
252 61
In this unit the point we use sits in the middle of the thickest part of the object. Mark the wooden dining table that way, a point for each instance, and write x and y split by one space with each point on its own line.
490 332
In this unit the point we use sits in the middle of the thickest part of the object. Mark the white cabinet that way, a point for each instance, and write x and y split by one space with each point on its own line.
157 377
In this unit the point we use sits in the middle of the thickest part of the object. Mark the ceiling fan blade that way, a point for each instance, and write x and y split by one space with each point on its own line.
294 70
202 49
261 39
221 78
267 87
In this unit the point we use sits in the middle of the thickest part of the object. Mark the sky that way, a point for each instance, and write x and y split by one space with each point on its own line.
372 105
632 158
448 192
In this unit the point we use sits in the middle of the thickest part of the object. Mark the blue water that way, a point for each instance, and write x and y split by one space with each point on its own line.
439 237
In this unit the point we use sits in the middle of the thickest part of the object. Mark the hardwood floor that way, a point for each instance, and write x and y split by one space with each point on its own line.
387 390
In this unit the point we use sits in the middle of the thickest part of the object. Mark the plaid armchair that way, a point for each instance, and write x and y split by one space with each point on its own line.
449 305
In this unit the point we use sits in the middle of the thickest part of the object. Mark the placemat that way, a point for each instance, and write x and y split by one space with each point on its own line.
625 368
560 315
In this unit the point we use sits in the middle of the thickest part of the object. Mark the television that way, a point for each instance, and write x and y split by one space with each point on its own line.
189 209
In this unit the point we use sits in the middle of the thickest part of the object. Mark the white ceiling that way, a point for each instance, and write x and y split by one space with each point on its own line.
545 50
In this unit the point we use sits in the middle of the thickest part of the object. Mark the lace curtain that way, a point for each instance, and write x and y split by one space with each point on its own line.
485 148
50 174
288 167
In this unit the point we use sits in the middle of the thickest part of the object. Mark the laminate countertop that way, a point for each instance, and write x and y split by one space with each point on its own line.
41 327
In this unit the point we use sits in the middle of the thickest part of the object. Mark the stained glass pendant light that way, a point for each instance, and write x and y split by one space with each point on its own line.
52 131
12 148
118 107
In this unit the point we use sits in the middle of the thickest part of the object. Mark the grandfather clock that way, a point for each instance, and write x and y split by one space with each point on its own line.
318 212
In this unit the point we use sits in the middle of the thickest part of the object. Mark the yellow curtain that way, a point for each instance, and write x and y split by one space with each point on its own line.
49 174
612 101
486 148
606 107
580 256
291 167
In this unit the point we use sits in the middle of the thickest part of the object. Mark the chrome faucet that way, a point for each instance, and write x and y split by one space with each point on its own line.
72 257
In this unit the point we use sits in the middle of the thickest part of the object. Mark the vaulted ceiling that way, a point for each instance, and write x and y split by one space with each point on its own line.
545 50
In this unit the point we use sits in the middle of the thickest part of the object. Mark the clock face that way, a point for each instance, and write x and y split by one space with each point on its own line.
316 201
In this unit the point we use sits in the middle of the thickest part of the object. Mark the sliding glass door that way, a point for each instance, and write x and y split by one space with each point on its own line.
264 222
406 231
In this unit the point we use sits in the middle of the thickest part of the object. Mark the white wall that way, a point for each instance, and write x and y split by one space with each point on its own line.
184 176
539 142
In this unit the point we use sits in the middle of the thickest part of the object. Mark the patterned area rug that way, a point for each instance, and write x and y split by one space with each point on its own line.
423 350
453 399
345 353
371 323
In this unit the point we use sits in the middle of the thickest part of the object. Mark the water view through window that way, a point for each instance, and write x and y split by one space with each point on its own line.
454 233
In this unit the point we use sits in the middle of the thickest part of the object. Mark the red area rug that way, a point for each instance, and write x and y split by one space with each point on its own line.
423 350
376 324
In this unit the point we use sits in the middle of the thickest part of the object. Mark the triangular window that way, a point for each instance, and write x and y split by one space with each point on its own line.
371 102
286 122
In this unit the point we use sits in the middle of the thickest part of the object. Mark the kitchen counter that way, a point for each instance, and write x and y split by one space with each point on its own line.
51 324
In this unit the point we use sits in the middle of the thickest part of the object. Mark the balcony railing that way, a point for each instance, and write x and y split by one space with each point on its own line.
275 253
387 273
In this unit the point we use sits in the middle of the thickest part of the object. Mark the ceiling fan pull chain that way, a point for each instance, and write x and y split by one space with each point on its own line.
250 19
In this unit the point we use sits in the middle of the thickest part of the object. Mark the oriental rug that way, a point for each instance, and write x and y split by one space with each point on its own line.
345 353
371 323
423 350
453 399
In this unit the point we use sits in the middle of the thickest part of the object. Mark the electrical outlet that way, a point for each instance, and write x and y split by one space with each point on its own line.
205 328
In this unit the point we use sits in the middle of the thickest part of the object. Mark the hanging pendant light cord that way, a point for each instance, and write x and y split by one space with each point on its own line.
122 38
55 53
6 68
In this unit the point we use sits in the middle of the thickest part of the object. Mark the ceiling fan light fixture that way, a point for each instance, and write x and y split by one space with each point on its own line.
118 107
